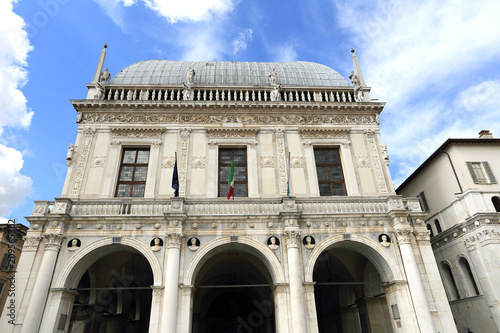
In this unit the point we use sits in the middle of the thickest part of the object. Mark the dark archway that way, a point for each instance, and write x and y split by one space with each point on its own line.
496 203
348 293
114 295
233 294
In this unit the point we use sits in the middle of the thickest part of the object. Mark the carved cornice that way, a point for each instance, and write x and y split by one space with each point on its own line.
324 133
218 133
137 132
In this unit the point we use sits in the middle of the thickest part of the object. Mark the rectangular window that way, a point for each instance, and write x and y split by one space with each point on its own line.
226 156
329 169
481 173
423 201
133 172
5 265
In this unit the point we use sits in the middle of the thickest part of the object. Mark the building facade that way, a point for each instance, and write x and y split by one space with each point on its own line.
458 188
314 239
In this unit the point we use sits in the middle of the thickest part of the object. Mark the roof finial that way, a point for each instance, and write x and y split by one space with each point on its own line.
352 50
106 45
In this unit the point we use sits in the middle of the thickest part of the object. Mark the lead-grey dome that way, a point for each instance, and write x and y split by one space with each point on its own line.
166 72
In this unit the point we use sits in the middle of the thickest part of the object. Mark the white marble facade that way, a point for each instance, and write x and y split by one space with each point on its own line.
263 262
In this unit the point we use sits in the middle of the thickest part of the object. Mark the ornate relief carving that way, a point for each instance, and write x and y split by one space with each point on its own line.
185 134
297 162
31 244
156 118
174 239
403 236
362 161
267 162
137 132
292 238
198 162
82 160
470 242
324 133
379 173
168 162
217 133
282 172
98 161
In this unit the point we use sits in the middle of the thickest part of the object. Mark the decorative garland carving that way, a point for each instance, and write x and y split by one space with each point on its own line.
280 142
158 118
218 133
324 133
82 161
379 173
137 132
185 134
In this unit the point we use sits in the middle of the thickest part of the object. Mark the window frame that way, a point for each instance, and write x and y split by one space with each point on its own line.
481 172
221 181
328 165
135 165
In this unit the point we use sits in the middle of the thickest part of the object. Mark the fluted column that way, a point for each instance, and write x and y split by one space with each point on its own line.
297 302
42 284
170 296
422 311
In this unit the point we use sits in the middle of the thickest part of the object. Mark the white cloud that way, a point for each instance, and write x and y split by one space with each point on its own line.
202 41
14 48
416 56
284 53
240 43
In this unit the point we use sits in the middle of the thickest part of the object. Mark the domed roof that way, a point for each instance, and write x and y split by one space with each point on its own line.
226 73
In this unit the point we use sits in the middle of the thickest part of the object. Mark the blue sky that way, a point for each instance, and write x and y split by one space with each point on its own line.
436 64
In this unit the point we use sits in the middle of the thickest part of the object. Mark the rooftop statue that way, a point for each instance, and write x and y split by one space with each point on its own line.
190 75
354 79
273 77
105 77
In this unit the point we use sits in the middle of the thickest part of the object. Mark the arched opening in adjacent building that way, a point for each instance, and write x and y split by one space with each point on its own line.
449 282
233 294
496 203
114 293
438 226
430 229
348 293
470 285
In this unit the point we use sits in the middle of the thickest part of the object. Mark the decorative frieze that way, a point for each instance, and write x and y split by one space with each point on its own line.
159 118
324 133
218 133
137 132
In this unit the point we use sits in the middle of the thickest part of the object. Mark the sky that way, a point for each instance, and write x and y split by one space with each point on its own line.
435 63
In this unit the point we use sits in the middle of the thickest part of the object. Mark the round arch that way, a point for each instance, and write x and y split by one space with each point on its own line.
79 263
215 246
387 267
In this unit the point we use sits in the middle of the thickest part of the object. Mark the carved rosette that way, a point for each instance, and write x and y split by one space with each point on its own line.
280 142
403 236
174 239
292 238
31 244
423 237
82 160
377 166
53 241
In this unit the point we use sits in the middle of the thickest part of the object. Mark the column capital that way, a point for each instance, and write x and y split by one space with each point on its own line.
64 293
394 285
174 239
423 236
53 241
292 236
403 235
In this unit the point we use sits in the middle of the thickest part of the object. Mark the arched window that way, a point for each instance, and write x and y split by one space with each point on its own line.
438 226
470 285
430 229
449 282
496 203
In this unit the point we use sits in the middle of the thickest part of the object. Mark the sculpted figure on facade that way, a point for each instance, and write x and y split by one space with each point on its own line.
157 244
273 78
275 94
69 155
100 91
273 243
105 77
190 75
194 244
74 245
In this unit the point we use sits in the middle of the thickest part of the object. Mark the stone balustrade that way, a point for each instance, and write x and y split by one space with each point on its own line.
215 206
128 93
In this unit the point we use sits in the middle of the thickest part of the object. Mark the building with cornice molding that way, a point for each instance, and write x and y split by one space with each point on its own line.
314 239
457 186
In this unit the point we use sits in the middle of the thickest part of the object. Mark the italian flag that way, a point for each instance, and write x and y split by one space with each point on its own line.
230 181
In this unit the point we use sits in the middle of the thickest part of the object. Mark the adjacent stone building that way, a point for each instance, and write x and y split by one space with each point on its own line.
458 188
315 238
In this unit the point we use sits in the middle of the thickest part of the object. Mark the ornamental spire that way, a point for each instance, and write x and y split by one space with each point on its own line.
357 69
100 65
362 93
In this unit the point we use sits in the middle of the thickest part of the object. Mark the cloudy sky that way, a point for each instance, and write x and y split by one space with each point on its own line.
436 64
